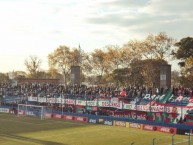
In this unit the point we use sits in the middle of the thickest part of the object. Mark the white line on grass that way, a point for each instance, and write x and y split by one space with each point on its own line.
164 135
43 123
179 142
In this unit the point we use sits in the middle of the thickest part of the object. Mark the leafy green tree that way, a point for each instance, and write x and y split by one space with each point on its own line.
185 49
184 53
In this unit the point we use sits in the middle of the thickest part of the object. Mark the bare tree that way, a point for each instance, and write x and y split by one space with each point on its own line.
33 65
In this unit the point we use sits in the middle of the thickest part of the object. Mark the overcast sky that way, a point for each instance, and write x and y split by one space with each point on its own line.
38 27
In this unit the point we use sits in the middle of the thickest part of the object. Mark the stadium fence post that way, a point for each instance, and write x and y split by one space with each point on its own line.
18 110
153 141
181 108
136 108
41 113
189 137
173 139
26 108
62 104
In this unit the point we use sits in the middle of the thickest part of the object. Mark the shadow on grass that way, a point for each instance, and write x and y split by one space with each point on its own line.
11 136
10 124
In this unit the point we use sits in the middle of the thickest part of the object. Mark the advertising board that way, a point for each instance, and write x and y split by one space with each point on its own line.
149 127
120 123
57 116
80 119
108 122
135 125
4 110
68 117
91 120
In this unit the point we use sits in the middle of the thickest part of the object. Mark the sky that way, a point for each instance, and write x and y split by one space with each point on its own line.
38 27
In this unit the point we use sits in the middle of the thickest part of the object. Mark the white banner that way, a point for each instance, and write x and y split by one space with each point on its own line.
4 110
81 102
115 103
41 99
33 99
91 103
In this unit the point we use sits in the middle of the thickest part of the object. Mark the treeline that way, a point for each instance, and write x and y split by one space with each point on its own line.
134 63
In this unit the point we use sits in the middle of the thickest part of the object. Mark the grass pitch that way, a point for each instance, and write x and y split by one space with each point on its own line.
33 131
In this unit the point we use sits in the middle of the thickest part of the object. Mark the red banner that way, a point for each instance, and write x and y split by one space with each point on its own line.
166 129
81 119
68 117
149 127
57 116
48 115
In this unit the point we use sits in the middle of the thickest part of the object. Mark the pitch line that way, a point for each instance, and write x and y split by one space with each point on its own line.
42 123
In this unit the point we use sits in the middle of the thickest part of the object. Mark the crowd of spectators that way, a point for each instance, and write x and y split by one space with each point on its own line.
52 90
81 91
183 91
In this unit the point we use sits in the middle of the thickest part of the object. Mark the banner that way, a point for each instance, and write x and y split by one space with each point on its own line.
81 102
91 120
120 123
91 103
134 125
33 99
114 103
108 122
4 110
149 127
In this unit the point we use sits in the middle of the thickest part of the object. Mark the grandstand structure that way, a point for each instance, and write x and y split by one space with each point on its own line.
171 108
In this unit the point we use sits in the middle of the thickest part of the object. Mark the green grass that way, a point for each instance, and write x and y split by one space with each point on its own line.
33 131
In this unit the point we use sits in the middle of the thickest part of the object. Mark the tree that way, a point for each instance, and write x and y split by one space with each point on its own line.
146 72
4 78
33 65
185 48
75 55
157 47
132 51
99 63
86 66
61 59
184 53
18 74
113 56
175 80
122 76
54 74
